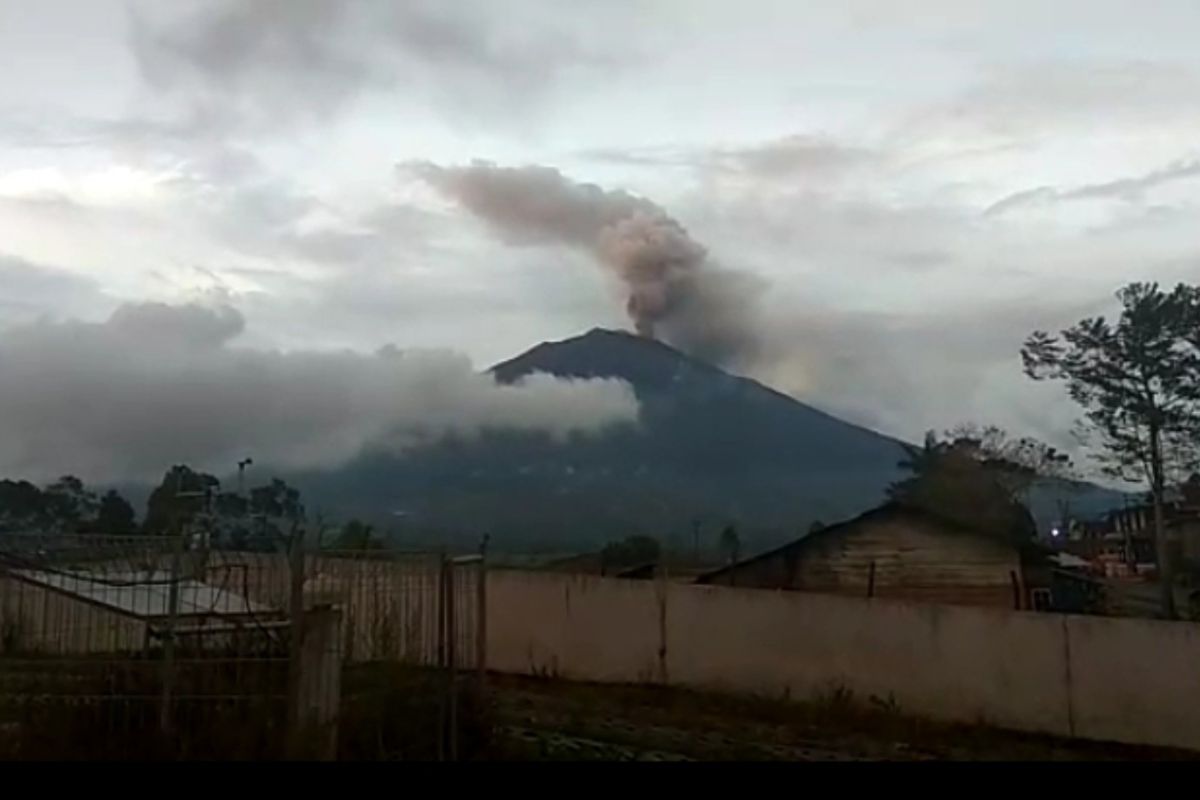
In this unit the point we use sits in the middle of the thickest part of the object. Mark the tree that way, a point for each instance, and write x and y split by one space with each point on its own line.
115 515
1016 462
258 522
182 494
632 551
730 543
1135 380
958 481
356 535
276 500
21 505
67 504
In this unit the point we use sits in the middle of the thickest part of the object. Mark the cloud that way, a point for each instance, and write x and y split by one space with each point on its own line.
1123 188
1029 101
157 384
279 51
290 59
904 373
799 155
32 291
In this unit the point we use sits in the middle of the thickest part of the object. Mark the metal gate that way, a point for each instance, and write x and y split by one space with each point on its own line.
413 623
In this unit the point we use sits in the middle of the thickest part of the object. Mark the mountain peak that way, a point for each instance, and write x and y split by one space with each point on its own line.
604 353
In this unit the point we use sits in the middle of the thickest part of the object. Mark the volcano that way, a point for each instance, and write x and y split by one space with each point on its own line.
709 449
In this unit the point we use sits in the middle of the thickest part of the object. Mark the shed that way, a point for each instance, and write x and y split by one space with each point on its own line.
56 611
904 552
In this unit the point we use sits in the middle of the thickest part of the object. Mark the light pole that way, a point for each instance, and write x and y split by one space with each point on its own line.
245 462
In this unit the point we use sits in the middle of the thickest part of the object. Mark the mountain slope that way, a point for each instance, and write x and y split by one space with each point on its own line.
700 418
709 449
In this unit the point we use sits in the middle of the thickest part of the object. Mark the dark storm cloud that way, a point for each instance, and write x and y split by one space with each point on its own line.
156 385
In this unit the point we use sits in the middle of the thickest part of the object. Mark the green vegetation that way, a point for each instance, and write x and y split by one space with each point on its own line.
1137 380
356 535
632 551
971 484
64 506
730 544
550 720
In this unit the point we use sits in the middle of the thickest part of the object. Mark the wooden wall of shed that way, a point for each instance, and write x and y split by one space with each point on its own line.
1189 541
913 559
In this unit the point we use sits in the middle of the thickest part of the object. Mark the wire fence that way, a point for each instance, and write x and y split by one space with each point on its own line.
135 647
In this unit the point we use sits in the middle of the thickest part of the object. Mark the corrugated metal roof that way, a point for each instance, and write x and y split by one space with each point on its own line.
146 595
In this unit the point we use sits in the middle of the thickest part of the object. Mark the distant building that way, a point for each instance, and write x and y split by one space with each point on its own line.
898 551
1133 527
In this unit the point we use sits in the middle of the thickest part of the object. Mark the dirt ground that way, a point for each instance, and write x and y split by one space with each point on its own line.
558 720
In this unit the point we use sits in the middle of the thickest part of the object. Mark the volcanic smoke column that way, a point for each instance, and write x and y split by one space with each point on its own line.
665 272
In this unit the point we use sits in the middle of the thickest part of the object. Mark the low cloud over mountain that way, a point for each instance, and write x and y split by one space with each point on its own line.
157 384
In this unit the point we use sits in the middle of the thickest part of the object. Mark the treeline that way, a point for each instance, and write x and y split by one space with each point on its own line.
183 498
193 501
64 506
184 501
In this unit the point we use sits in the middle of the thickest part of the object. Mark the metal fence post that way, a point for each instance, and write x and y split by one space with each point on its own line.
481 615
295 718
452 660
443 566
168 664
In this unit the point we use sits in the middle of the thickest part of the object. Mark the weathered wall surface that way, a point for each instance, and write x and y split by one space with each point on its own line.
1135 681
945 661
900 556
579 627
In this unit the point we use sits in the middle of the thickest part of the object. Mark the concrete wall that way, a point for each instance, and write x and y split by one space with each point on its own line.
1135 681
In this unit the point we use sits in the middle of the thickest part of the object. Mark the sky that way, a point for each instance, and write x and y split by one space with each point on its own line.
884 198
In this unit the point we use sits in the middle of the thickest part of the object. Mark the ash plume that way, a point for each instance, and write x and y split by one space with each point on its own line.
672 290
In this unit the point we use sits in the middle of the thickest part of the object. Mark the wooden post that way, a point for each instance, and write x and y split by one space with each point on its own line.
871 579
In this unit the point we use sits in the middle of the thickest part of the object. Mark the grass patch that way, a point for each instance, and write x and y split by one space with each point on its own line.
95 709
713 725
392 712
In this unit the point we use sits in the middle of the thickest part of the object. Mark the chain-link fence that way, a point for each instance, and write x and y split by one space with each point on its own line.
134 647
